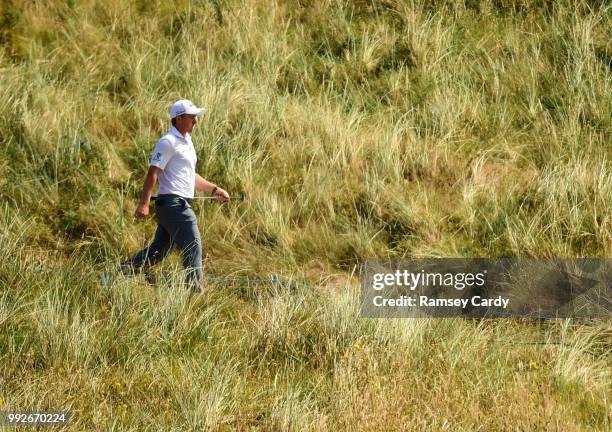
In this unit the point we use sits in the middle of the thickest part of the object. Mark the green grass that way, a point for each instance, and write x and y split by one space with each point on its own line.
356 129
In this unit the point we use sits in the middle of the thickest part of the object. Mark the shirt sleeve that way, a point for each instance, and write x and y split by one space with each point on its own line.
162 153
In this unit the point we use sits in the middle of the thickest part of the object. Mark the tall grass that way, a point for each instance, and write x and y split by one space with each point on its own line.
355 129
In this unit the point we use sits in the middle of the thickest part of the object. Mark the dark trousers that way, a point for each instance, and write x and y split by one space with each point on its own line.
177 226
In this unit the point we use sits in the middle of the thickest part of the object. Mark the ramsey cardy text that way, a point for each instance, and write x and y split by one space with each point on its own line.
424 301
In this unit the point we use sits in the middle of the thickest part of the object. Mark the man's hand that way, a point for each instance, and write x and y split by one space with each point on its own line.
142 211
222 195
147 190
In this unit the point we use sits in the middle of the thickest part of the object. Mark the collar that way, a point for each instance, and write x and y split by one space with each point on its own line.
174 131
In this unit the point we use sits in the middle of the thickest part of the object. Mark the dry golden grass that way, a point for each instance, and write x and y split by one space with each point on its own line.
356 129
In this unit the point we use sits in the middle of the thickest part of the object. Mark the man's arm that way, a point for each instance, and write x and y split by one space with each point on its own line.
147 190
204 185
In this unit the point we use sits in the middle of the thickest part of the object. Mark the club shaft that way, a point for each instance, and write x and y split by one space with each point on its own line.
237 197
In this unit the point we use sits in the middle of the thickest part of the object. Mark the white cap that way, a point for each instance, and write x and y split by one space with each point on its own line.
185 106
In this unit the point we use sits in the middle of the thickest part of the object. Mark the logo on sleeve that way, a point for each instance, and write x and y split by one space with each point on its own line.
157 157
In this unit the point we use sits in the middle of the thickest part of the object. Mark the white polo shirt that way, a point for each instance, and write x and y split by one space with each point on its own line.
176 156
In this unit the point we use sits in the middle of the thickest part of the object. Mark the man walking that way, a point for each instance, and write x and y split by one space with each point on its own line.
173 163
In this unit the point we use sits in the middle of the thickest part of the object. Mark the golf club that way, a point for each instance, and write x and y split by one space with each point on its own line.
240 197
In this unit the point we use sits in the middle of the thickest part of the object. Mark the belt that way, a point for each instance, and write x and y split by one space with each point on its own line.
163 197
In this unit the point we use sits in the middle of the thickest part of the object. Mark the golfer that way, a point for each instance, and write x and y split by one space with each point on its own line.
173 164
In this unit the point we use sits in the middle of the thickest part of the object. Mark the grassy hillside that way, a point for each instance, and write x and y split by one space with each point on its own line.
356 129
